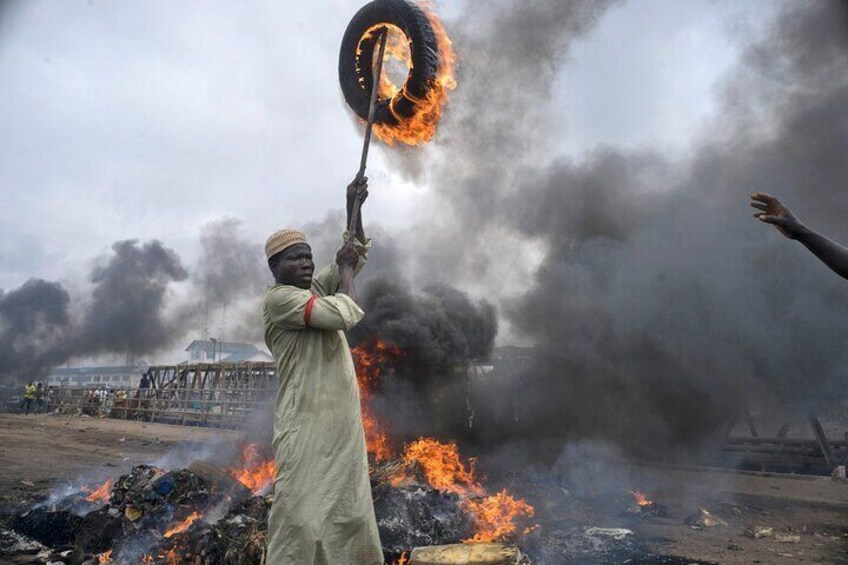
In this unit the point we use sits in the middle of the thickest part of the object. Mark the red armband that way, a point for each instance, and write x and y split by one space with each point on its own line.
307 314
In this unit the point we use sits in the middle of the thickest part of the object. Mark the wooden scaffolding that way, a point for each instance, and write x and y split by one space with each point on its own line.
203 394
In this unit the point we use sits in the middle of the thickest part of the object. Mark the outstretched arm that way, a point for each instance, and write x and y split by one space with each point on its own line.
772 211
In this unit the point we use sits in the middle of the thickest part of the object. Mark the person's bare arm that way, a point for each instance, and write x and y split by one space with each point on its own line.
358 187
772 211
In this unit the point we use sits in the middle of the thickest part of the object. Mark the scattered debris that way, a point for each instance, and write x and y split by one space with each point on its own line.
758 532
617 534
53 528
413 516
703 519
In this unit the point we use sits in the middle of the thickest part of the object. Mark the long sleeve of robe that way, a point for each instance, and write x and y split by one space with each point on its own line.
322 511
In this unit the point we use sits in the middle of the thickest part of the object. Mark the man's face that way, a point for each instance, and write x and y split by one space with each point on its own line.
295 266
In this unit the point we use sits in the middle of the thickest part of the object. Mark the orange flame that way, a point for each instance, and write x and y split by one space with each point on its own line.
495 516
256 472
442 466
377 441
147 559
172 557
105 557
641 499
421 126
371 359
402 560
100 495
183 526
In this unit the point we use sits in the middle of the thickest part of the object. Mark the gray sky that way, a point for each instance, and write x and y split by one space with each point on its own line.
149 119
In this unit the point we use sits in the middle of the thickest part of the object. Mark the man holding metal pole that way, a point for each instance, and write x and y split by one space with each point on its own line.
322 511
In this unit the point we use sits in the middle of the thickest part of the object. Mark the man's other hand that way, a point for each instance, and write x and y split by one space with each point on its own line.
358 187
772 211
347 257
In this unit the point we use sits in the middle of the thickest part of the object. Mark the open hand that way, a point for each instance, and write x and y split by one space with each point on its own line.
772 211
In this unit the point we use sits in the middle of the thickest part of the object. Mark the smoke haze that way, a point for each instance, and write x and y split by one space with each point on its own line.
658 305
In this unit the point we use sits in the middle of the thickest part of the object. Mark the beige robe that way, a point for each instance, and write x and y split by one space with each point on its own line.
322 511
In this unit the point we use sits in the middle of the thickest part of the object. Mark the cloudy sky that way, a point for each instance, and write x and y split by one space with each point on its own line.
150 119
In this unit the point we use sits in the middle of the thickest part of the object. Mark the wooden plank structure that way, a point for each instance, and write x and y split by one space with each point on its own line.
203 394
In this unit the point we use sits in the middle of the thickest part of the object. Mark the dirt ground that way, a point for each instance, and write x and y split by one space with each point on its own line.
814 508
39 452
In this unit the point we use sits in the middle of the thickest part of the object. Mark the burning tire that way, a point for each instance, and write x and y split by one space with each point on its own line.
414 42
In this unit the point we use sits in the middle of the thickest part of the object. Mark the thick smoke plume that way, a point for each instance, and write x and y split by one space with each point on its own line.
436 329
126 313
659 305
126 310
34 320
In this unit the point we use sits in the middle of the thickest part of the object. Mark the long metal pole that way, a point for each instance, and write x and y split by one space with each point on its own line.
372 110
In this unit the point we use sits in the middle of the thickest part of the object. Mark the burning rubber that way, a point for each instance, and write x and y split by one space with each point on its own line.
406 113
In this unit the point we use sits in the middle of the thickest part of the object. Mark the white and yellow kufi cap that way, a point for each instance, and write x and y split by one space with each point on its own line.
281 240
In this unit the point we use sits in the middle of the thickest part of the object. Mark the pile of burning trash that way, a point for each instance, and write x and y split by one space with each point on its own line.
424 495
205 515
150 516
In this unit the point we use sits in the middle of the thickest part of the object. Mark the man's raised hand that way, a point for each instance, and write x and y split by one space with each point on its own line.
347 257
772 211
357 187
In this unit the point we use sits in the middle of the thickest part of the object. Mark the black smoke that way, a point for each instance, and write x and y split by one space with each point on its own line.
437 328
659 307
666 307
34 321
126 312
439 331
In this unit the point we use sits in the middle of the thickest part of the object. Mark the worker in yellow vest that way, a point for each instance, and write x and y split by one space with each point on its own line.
29 396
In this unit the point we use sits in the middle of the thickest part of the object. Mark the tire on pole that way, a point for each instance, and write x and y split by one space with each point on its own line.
355 63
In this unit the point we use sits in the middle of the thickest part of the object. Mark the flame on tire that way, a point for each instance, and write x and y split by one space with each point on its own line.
421 126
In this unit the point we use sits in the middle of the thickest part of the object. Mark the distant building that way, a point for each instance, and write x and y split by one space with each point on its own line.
208 351
127 376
